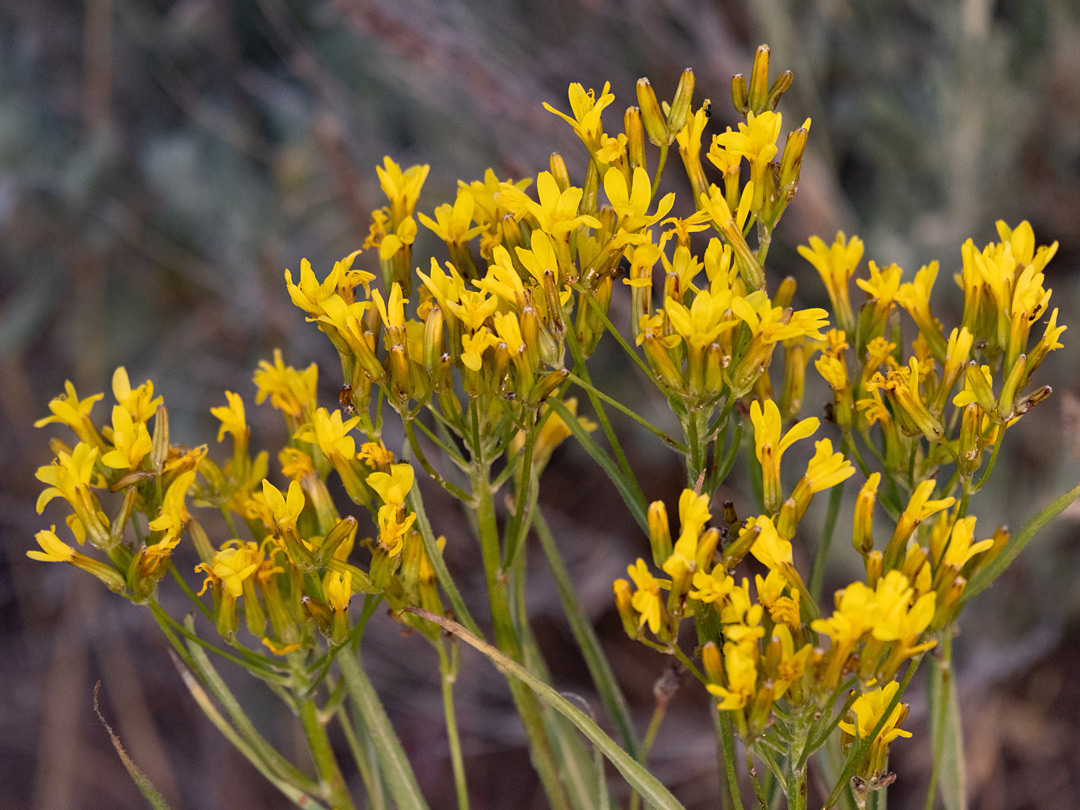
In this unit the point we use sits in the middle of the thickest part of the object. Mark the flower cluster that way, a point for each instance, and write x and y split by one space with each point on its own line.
476 353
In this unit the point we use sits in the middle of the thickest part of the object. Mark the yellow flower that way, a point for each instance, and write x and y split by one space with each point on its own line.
769 548
232 416
232 565
473 347
68 409
402 188
915 298
451 223
557 211
740 667
393 487
646 600
286 508
755 141
836 265
338 590
587 109
869 709
632 203
174 514
901 387
139 402
130 439
289 390
393 525
295 464
331 435
69 476
391 310
375 455
769 446
53 549
707 317
713 588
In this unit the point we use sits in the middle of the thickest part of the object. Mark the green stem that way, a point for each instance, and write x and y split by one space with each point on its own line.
588 642
601 414
363 761
670 441
395 765
660 163
326 763
759 794
506 638
817 573
646 744
726 732
639 778
448 674
449 486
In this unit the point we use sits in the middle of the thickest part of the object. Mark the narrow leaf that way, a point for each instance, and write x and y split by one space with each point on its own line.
627 490
142 782
639 778
984 578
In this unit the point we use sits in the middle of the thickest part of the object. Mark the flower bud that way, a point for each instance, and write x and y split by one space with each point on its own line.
635 137
680 105
759 81
557 166
623 598
651 114
659 533
739 95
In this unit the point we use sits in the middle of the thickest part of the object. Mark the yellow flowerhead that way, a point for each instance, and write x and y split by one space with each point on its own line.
769 445
131 441
68 409
331 435
587 109
289 390
393 487
233 418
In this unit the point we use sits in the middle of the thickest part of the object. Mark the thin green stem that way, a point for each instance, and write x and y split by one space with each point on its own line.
449 486
659 711
670 441
633 355
588 642
326 763
726 732
660 163
821 555
524 499
364 764
448 674
395 765
601 414
759 794
506 638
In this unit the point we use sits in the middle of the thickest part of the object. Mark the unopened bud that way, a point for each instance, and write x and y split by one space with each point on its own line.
759 80
635 137
659 533
651 114
680 105
558 170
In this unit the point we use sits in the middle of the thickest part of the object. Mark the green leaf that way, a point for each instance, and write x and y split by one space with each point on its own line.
400 778
945 732
585 636
637 776
294 794
146 787
628 490
984 578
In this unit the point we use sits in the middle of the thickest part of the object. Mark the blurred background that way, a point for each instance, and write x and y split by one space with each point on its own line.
161 163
